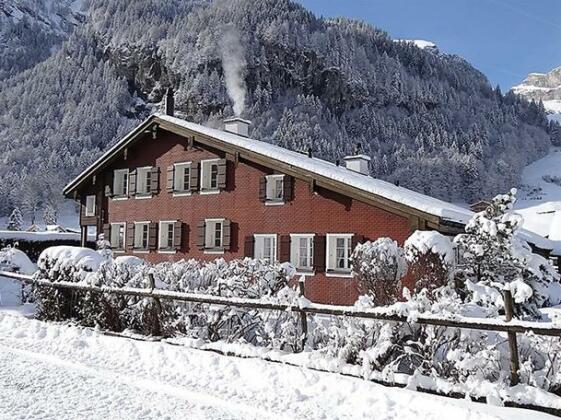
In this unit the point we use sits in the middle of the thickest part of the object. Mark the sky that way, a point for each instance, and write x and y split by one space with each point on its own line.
504 39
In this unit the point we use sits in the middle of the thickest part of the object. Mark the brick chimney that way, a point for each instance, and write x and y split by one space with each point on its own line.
169 102
237 125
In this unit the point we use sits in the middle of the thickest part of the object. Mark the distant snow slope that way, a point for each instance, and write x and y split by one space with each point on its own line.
545 87
539 199
53 371
421 43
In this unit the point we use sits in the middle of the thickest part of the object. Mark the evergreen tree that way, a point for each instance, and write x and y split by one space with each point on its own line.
50 215
15 221
493 256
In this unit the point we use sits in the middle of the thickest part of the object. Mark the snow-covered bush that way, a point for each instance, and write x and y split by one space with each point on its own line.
493 256
379 267
247 278
431 257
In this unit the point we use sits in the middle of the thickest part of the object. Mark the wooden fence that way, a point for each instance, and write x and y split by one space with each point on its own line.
509 325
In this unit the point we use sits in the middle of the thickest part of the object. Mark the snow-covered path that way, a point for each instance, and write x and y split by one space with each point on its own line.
59 371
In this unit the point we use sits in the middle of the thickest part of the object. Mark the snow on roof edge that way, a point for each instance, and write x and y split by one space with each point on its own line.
421 202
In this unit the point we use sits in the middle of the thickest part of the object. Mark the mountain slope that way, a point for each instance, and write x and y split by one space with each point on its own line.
545 87
428 120
31 30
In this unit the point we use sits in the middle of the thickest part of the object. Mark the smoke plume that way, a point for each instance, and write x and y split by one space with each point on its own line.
234 64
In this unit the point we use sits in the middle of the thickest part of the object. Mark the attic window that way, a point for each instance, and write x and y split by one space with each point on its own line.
143 181
275 187
121 182
90 205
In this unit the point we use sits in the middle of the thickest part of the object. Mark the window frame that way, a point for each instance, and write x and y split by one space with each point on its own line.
124 225
271 179
147 248
331 241
263 236
166 250
147 171
205 167
214 249
86 212
177 166
125 194
295 252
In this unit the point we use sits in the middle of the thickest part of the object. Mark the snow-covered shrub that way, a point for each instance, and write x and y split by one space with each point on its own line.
15 260
494 256
379 267
430 256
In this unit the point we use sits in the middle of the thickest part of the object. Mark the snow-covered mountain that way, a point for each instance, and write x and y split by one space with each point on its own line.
539 198
31 30
545 87
428 120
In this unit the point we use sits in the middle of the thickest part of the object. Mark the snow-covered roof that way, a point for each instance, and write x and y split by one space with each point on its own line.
443 210
421 202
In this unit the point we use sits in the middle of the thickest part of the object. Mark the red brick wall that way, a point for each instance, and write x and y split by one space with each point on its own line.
320 212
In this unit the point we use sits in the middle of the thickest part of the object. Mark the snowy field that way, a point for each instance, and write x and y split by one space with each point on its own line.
59 371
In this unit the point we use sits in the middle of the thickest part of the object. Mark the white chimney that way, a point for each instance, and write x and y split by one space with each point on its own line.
237 126
358 163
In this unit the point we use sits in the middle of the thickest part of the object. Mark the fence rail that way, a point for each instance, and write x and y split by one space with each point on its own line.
509 325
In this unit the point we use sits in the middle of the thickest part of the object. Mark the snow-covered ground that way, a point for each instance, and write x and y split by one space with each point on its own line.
51 370
539 201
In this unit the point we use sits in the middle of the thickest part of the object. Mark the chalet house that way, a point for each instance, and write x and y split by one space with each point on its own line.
172 189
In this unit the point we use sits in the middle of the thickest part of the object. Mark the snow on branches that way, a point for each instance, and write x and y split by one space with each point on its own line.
379 265
493 256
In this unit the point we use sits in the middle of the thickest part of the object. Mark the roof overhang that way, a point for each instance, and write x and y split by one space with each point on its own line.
413 214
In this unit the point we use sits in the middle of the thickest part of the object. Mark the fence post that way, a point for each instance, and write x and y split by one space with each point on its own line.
152 284
303 316
512 343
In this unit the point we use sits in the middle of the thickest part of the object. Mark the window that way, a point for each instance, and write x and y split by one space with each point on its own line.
166 235
121 183
141 233
209 175
118 236
266 247
90 205
143 181
214 233
459 259
182 177
339 252
275 188
302 251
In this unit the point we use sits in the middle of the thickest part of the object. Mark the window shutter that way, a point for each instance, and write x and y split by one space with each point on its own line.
109 184
194 177
155 180
169 178
355 240
249 246
226 234
222 167
284 248
177 235
107 232
201 235
152 235
132 183
319 253
263 189
130 236
287 188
